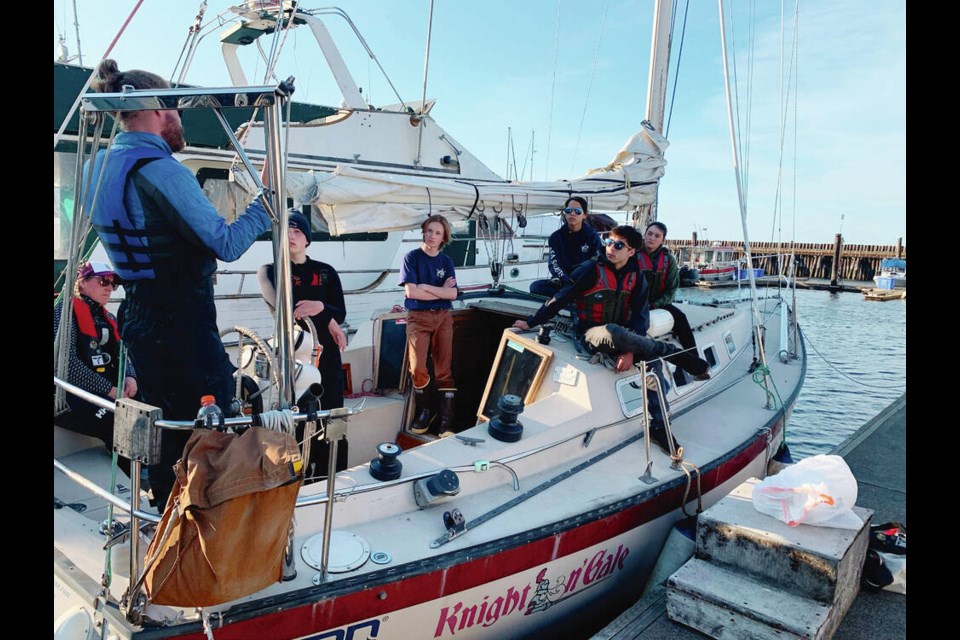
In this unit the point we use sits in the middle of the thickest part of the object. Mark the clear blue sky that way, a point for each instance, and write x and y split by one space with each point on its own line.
492 67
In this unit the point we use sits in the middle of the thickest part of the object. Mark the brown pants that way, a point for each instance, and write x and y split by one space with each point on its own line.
430 331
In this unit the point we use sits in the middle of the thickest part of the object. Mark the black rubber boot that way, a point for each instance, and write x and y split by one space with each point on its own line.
659 437
423 414
447 400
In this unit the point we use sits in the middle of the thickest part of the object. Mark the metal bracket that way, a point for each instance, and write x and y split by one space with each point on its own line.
456 526
135 433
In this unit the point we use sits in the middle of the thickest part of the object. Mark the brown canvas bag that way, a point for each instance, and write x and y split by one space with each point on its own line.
225 527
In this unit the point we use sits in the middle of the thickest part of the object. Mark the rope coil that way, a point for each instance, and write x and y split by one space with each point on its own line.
278 420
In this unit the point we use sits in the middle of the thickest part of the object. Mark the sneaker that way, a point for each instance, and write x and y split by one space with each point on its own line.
447 434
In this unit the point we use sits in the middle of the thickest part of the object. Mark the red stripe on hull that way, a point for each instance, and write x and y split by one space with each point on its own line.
378 599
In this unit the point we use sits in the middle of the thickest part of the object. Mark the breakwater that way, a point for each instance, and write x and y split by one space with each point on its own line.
813 260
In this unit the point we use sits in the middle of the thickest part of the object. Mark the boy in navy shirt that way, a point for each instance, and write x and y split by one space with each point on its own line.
430 284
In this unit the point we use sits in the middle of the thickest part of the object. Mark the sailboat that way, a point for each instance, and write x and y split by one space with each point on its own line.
542 518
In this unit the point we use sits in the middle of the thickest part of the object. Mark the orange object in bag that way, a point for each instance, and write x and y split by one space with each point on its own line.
224 530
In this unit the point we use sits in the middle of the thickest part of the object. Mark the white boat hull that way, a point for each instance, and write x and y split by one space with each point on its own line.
580 518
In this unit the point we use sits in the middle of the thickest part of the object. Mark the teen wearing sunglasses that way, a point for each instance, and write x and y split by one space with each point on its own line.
613 316
571 244
93 355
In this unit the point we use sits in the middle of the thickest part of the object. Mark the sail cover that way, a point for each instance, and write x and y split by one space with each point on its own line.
353 200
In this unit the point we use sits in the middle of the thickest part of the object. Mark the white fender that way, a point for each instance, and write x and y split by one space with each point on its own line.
661 323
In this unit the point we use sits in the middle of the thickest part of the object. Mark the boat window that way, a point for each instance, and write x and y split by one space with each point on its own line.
320 233
518 370
710 355
680 378
630 392
729 342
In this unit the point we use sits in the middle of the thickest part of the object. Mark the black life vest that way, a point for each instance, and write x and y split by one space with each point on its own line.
607 300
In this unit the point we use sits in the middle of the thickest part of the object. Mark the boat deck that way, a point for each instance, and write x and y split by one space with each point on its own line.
876 453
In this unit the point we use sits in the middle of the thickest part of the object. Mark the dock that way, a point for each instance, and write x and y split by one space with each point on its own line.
876 454
818 284
881 295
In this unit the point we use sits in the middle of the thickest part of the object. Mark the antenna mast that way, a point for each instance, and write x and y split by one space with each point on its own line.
76 28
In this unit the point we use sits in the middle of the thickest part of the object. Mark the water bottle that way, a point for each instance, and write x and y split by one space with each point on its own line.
209 416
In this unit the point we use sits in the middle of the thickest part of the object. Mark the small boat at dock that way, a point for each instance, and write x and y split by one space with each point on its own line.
892 275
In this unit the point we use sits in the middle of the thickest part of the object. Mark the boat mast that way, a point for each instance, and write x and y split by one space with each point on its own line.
657 88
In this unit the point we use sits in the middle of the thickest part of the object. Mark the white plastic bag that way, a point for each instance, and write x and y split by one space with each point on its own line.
819 490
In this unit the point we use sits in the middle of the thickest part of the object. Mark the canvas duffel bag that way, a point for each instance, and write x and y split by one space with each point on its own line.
224 531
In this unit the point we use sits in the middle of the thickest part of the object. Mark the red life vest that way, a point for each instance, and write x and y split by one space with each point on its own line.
81 311
659 281
605 302
100 357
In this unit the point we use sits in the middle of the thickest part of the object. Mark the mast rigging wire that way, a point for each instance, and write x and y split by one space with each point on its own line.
676 75
76 103
553 87
586 98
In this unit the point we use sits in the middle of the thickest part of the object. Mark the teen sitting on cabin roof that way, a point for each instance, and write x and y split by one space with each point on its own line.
571 244
613 315
663 277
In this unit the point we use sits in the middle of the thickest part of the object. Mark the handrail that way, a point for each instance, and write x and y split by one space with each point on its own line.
184 425
100 492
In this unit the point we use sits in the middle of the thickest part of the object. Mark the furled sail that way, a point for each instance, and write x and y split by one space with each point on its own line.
352 199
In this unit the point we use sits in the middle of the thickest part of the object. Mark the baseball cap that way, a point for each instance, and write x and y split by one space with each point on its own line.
91 268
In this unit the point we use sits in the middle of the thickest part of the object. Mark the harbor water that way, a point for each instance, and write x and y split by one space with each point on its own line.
856 363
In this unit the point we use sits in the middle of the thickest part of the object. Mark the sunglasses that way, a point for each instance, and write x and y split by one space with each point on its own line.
577 211
617 244
108 282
